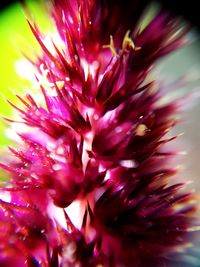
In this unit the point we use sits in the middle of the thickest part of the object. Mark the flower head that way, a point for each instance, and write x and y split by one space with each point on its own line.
97 144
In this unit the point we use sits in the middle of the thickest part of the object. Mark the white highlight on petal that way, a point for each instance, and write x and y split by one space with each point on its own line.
25 70
107 177
58 158
5 196
98 193
44 82
57 40
85 67
89 68
69 252
101 168
118 129
57 167
14 129
75 212
87 146
57 214
128 163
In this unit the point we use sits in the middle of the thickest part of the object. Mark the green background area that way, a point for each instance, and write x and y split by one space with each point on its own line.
15 37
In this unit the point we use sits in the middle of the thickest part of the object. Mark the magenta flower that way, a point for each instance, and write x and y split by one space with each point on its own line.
91 183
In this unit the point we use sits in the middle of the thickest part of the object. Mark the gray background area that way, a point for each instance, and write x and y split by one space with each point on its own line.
186 61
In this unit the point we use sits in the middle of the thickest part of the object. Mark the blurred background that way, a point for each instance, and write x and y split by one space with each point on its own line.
15 37
187 9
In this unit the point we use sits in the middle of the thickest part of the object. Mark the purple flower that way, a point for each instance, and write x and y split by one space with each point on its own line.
90 182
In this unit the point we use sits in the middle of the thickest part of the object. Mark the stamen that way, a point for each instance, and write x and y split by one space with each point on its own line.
111 46
128 43
141 130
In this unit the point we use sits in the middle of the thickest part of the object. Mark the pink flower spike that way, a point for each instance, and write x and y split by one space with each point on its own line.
91 183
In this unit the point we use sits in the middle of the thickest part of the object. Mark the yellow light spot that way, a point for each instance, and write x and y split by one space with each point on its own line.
178 207
111 46
60 84
128 43
193 228
141 130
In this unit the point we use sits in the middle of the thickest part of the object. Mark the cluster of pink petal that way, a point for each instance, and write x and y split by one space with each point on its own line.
98 141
